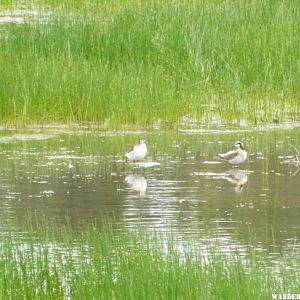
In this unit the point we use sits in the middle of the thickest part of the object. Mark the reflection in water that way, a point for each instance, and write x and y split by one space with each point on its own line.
21 16
237 177
138 183
73 174
148 164
292 160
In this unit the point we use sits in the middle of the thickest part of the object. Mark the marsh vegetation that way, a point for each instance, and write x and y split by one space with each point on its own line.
100 264
177 227
150 62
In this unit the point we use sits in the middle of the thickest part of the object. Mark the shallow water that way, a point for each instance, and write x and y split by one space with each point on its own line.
22 15
81 173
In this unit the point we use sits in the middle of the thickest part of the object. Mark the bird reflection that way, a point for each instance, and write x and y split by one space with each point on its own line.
237 177
138 183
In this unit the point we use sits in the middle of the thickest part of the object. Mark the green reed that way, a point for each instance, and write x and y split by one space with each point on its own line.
152 62
116 263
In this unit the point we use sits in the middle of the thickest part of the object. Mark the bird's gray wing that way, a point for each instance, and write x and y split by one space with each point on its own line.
229 155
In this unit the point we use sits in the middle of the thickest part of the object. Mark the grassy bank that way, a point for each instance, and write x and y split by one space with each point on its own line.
98 264
145 62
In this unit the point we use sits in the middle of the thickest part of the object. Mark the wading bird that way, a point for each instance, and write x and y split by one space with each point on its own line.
235 156
138 151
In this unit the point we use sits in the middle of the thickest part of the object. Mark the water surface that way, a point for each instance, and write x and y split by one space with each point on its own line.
81 173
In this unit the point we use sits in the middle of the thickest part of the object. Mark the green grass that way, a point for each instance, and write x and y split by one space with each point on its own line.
142 63
120 264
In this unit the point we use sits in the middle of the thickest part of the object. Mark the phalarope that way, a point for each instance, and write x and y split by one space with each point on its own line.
235 156
138 151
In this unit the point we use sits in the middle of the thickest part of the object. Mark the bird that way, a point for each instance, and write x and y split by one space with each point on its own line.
235 156
138 151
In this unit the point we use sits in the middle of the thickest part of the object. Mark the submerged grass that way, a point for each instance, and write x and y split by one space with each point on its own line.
110 264
145 62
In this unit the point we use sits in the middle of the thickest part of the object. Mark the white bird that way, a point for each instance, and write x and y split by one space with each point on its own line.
138 151
235 156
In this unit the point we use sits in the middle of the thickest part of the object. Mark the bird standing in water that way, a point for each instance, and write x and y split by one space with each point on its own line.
235 156
138 151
